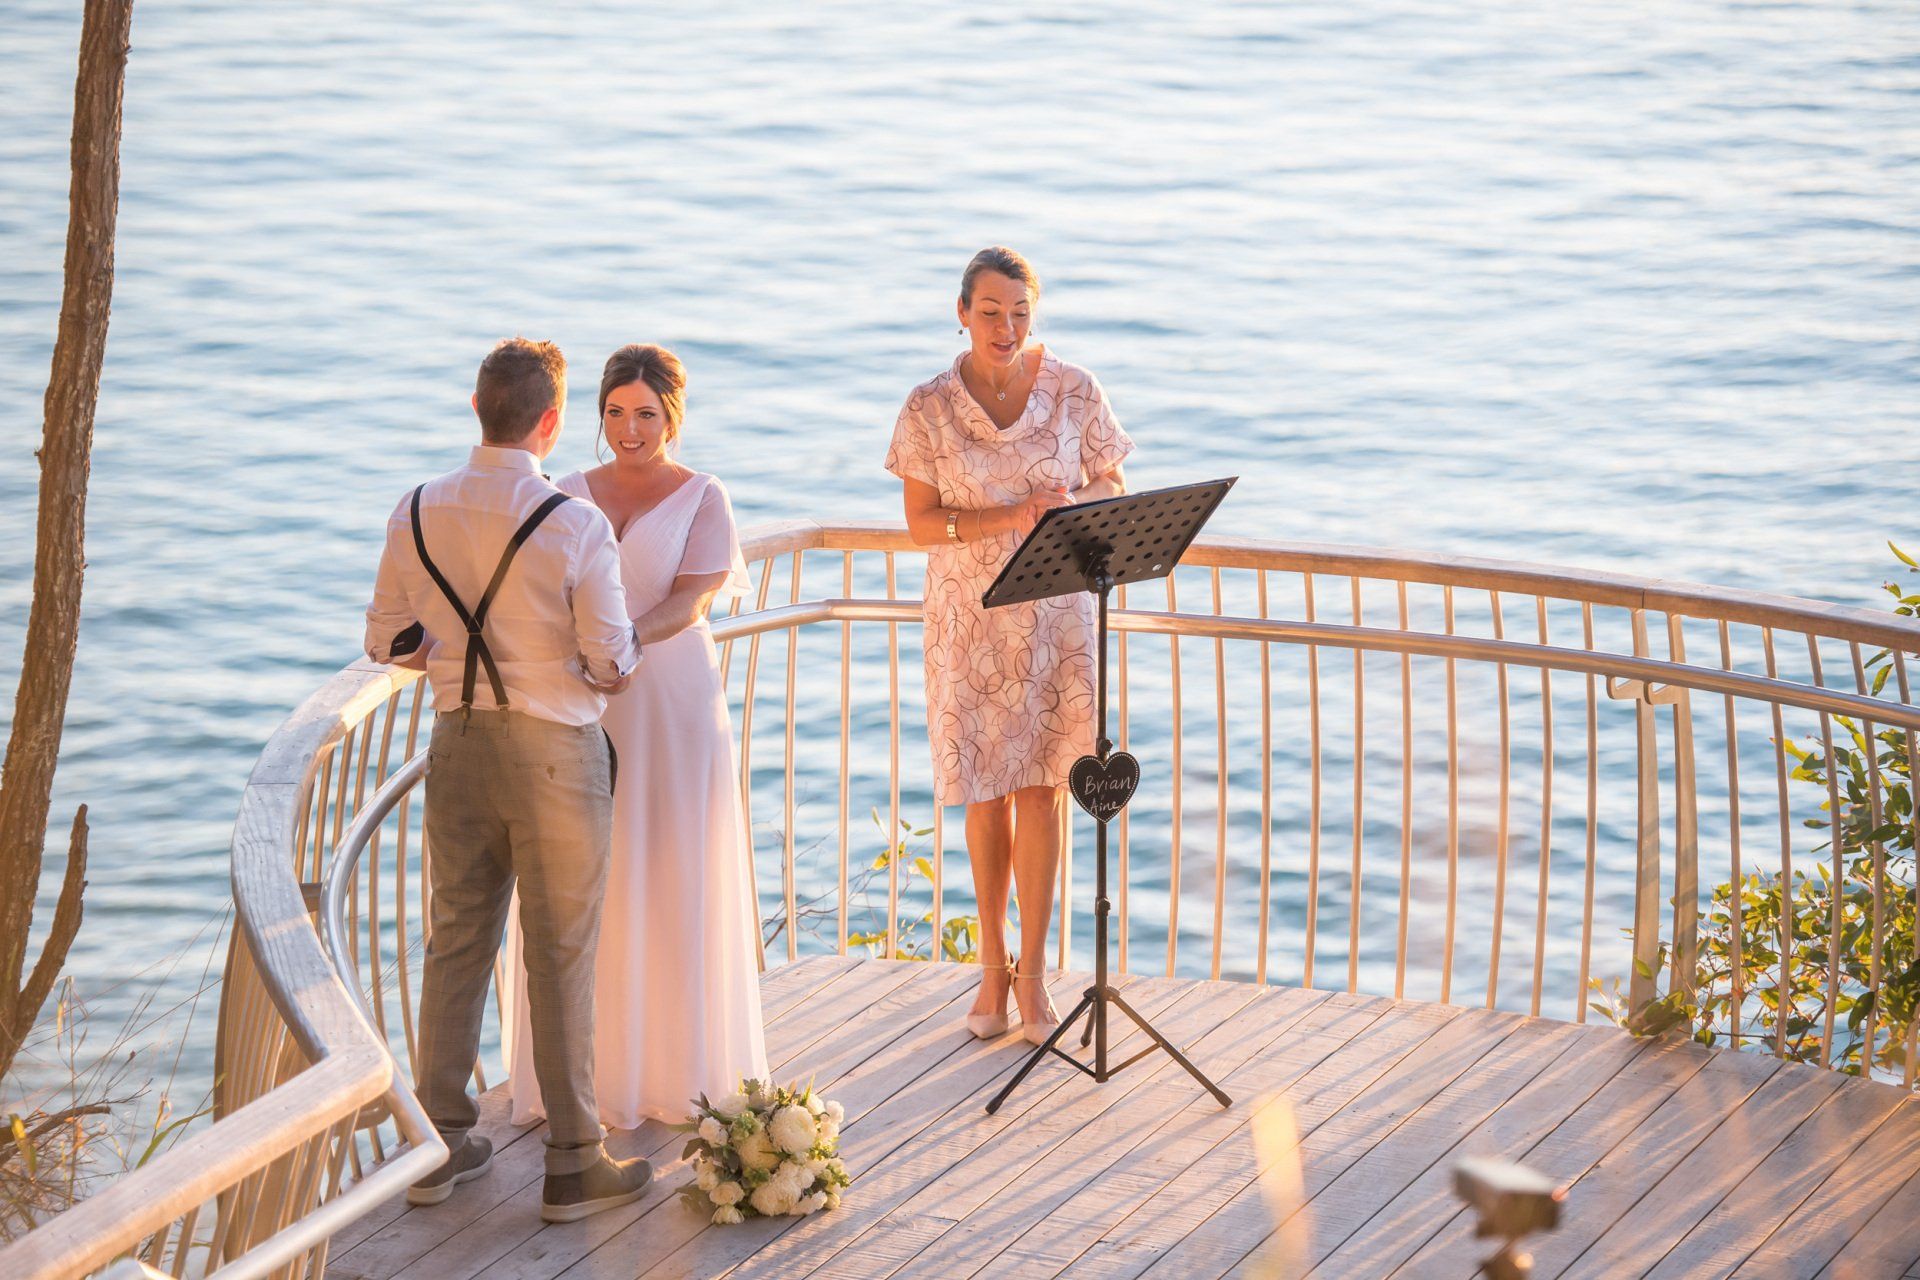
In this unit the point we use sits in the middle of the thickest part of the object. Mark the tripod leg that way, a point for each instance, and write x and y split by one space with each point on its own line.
1033 1059
1114 997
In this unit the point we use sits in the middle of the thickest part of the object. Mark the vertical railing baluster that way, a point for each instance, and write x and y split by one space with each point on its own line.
1684 978
846 718
402 948
1641 985
1912 1054
746 759
1593 823
1838 885
1453 808
1266 787
893 769
787 875
1313 794
1546 814
1737 991
1179 791
1220 787
1359 797
1783 1007
1126 814
1878 853
1505 816
1406 808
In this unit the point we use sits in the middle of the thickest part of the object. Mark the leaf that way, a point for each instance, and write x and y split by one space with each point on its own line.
25 1144
1905 559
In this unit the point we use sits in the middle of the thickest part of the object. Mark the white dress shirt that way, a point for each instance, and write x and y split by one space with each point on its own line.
559 617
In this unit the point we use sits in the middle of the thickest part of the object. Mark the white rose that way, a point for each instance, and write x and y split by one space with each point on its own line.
732 1105
772 1199
728 1193
756 1152
816 1167
726 1216
707 1178
832 1199
712 1131
813 1203
793 1130
836 1113
829 1131
813 1105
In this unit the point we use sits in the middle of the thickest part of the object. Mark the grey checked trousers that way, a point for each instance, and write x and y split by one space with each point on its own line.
511 796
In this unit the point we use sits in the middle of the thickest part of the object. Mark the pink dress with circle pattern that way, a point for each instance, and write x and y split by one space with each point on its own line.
1009 690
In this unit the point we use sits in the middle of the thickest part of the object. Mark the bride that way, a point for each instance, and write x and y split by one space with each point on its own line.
677 992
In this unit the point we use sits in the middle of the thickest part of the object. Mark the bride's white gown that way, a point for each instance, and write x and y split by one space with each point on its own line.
676 985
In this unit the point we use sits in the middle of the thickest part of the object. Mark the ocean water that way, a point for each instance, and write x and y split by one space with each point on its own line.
1634 288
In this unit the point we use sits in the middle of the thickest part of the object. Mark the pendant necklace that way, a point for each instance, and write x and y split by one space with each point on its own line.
1000 393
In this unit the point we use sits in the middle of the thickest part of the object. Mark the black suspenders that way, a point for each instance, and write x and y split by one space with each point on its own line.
477 651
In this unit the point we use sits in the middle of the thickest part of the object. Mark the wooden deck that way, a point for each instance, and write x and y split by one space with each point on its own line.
1334 1161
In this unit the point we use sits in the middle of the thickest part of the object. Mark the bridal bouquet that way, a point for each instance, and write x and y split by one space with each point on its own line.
764 1151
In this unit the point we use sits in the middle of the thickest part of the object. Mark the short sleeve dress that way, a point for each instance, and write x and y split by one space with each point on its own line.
1009 690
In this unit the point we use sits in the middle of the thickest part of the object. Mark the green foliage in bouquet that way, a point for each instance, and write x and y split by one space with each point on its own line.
1875 828
764 1151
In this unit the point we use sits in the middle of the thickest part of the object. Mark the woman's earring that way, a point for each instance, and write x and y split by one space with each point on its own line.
961 329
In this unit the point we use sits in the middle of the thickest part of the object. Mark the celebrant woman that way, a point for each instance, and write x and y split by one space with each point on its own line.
677 985
982 450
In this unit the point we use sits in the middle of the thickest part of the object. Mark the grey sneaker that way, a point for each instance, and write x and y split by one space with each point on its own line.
569 1197
472 1158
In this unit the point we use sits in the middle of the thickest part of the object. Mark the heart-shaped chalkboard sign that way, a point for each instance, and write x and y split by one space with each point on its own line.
1104 789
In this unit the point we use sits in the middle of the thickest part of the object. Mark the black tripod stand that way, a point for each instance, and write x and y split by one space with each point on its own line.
1094 547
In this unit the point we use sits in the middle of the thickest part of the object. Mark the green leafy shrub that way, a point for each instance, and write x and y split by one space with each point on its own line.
1786 1011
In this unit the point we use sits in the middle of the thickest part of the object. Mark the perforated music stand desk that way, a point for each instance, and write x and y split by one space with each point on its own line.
1096 546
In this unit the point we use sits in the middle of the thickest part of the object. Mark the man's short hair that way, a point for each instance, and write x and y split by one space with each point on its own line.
519 380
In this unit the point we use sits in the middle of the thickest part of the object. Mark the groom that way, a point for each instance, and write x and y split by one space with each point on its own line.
490 570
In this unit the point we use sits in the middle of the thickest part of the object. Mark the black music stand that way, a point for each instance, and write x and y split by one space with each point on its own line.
1096 546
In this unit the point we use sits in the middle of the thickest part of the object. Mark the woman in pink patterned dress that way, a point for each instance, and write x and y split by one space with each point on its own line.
983 450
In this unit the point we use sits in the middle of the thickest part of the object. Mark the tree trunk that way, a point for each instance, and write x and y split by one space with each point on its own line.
53 625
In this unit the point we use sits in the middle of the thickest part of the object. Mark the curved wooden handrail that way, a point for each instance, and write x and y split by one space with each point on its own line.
349 1065
1662 595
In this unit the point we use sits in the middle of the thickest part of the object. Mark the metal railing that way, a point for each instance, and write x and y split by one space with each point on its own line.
1424 776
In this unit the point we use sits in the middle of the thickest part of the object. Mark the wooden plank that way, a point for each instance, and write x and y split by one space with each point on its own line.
1396 1230
1184 1150
1169 1143
1888 1244
893 1221
1273 1243
469 1214
1573 1146
1196 1218
921 1065
495 1114
1846 1202
1690 1190
781 989
1023 1176
876 997
1770 1194
894 1148
1620 1177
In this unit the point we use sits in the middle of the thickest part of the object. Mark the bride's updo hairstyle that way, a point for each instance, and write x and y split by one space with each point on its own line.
660 369
1005 261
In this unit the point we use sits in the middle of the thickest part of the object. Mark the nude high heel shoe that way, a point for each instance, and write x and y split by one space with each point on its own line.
1037 1030
991 1026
